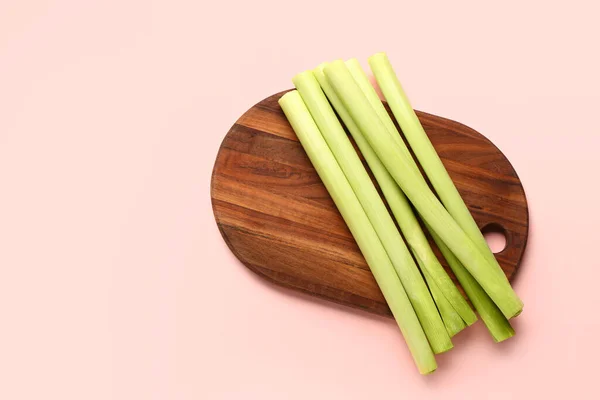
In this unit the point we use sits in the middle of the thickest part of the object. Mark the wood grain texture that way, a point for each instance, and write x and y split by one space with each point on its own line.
278 219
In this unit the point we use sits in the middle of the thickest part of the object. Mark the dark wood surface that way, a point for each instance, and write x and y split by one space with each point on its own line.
278 219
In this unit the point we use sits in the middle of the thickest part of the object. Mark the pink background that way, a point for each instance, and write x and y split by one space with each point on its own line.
115 282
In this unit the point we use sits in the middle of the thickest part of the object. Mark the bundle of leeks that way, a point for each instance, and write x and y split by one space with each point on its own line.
426 304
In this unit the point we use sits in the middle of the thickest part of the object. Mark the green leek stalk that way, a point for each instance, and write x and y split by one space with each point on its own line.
361 228
436 172
492 317
413 186
363 187
412 231
490 314
398 203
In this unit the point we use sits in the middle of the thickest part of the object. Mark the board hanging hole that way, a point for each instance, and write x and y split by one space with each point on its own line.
495 236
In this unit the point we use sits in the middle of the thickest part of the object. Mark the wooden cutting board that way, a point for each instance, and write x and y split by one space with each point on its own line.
278 219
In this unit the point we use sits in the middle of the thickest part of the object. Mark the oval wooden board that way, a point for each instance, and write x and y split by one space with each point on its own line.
278 219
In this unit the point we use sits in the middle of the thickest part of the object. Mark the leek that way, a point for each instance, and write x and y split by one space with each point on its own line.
492 317
426 203
412 229
361 228
397 201
437 174
378 215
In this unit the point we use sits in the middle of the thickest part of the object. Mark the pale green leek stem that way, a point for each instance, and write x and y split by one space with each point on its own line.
363 187
412 230
397 201
492 317
426 203
355 217
436 172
